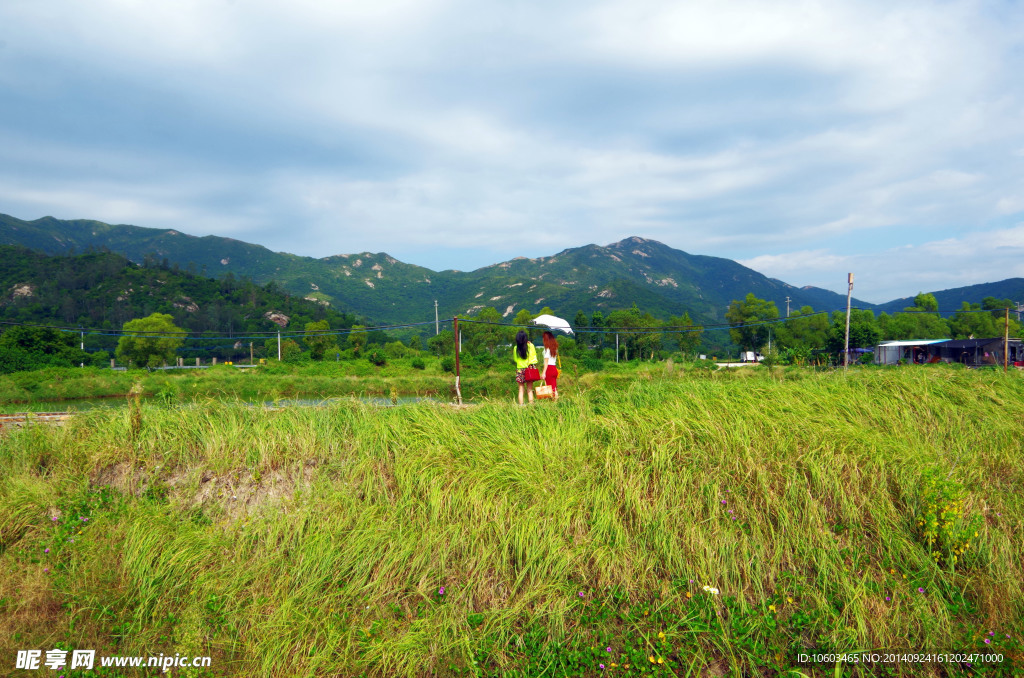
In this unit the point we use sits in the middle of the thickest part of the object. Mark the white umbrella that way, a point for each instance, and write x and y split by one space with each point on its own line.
553 322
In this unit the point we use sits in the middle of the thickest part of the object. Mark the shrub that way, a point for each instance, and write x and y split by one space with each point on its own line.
703 365
377 357
448 364
395 349
418 364
592 364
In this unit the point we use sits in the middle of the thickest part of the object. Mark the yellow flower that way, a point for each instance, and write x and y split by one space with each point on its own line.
660 660
789 600
771 608
892 571
661 635
689 595
651 659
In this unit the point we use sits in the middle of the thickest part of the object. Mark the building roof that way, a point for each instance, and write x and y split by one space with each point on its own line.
976 343
912 342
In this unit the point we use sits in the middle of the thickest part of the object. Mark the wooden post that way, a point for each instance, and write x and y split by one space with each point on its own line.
250 353
458 390
846 340
1006 341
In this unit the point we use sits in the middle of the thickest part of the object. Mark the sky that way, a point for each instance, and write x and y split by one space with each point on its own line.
803 139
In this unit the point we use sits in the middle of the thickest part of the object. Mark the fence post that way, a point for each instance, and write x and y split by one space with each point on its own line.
458 390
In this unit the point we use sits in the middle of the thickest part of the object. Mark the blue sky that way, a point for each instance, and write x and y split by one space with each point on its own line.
803 139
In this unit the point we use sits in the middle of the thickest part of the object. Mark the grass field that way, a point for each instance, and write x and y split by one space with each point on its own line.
671 524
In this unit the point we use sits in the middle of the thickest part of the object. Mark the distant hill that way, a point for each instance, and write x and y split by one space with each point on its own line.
104 290
951 299
658 278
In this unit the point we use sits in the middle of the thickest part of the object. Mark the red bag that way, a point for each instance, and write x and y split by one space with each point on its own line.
531 373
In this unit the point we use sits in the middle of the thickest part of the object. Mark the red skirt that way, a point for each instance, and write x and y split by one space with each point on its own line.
551 376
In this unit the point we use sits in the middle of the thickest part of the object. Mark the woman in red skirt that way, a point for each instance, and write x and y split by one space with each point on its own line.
551 363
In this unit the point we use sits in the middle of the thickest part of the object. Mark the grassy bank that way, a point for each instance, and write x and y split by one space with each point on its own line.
328 379
876 511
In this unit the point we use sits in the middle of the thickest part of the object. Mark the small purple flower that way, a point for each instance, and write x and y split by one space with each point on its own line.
723 501
988 641
920 590
734 517
440 591
46 550
608 649
991 633
888 599
730 510
46 569
71 540
601 666
54 519
691 581
581 594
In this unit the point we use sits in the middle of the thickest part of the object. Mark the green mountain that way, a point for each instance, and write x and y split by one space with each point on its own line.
951 299
656 277
103 290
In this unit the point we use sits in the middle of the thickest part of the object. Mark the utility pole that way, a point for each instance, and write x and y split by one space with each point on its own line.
1006 341
279 346
437 324
250 353
846 340
787 307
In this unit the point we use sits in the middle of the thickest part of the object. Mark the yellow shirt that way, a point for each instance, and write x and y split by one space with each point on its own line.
531 355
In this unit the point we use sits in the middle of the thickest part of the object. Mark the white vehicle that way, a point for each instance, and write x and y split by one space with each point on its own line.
750 357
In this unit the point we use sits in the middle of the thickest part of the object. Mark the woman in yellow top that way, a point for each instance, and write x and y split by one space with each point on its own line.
525 355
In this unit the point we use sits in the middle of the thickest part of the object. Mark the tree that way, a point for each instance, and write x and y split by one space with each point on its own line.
150 341
358 337
969 323
751 310
924 302
635 342
864 331
803 330
478 337
580 321
318 340
442 344
598 337
915 323
30 348
685 334
524 317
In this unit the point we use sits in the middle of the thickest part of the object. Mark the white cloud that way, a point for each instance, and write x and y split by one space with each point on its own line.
895 272
832 132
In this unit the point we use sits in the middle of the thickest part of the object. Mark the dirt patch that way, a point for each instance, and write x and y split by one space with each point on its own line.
234 493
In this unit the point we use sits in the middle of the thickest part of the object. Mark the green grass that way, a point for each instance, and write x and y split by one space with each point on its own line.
315 541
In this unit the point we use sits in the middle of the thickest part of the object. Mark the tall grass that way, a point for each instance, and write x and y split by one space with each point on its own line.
316 541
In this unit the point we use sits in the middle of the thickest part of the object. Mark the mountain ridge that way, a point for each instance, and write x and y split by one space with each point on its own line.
655 276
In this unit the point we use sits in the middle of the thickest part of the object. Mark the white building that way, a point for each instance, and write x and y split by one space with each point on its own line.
891 352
